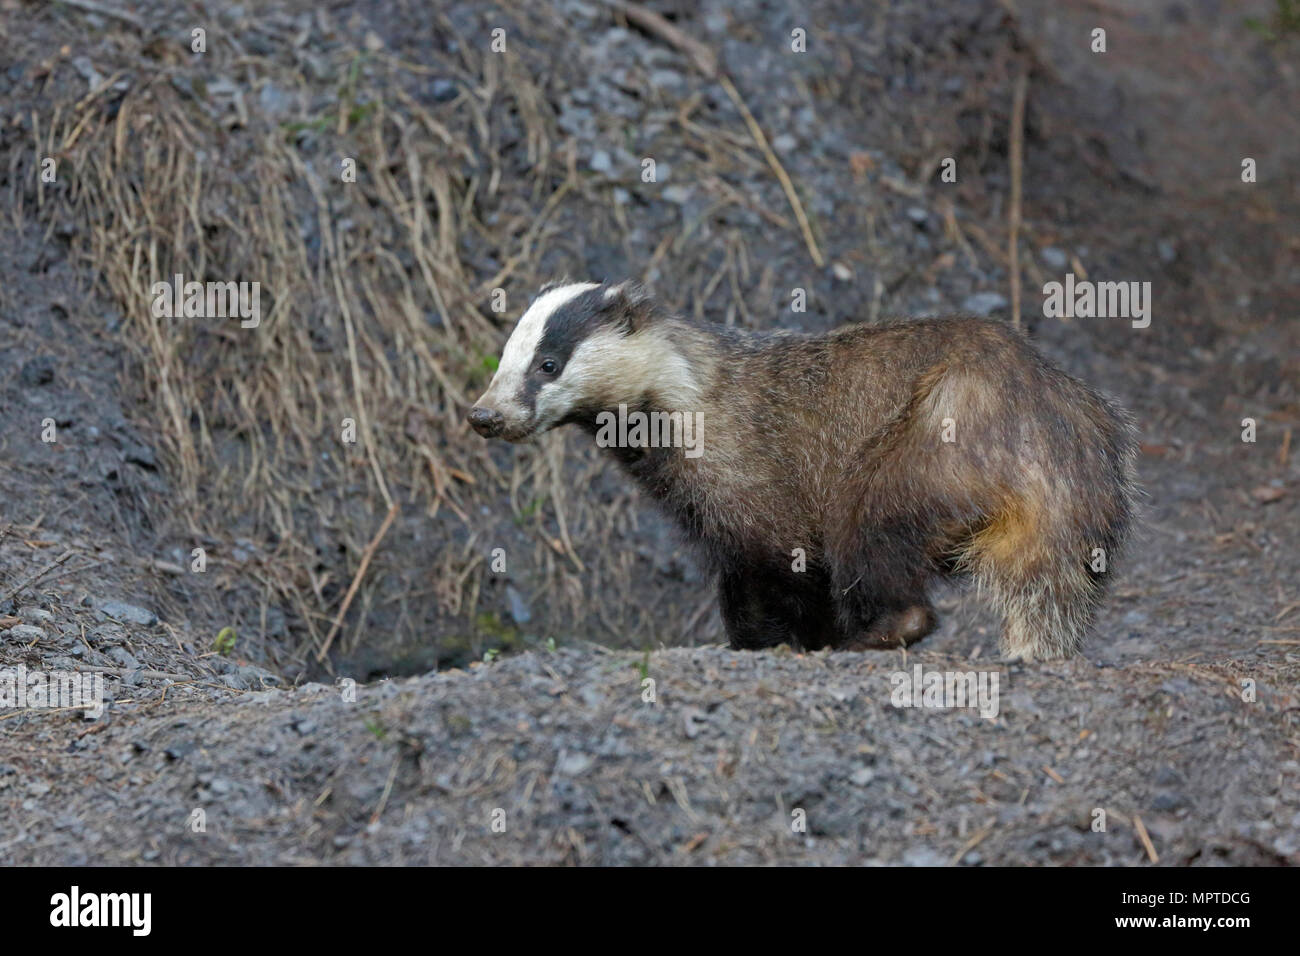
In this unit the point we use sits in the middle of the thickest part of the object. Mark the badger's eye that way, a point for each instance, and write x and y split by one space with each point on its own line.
549 367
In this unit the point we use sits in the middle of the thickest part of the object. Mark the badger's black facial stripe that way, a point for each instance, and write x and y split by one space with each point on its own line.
573 322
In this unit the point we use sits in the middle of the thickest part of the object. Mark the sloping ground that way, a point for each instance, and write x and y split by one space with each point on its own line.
557 758
1155 726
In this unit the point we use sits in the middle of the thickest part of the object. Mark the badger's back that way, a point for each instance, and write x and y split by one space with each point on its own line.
793 422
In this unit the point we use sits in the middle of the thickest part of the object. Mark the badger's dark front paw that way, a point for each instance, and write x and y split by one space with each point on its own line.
895 629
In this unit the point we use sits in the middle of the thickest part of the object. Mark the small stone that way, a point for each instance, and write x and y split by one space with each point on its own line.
573 765
1168 800
1167 776
123 657
26 633
601 162
443 90
316 67
923 856
518 606
862 776
1288 844
87 70
1055 258
666 79
984 303
693 722
141 455
273 101
128 613
178 750
39 371
255 676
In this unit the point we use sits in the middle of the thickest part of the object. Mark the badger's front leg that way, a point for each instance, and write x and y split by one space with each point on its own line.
768 607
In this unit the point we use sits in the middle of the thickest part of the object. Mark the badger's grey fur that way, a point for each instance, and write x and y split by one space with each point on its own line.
890 454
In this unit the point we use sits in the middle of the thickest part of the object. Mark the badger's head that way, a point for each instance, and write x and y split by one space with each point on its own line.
579 349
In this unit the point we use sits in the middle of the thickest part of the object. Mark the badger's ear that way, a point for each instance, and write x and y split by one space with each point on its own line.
627 305
554 284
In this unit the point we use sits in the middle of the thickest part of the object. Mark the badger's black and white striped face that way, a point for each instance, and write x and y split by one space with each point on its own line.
575 350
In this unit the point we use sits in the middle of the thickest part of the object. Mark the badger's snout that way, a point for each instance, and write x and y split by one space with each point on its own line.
486 421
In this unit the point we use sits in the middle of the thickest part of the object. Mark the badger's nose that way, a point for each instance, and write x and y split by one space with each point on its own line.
486 421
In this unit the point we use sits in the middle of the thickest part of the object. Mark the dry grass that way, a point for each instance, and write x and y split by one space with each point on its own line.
368 310
371 310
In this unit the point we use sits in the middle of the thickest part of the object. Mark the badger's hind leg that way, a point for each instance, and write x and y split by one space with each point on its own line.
1000 468
879 580
880 545
1040 581
897 628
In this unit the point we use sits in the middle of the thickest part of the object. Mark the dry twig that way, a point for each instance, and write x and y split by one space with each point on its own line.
356 580
1017 167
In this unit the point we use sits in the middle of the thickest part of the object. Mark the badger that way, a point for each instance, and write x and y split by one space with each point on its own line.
839 476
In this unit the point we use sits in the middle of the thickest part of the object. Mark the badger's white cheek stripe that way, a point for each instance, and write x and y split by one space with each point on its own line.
557 399
552 404
594 372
